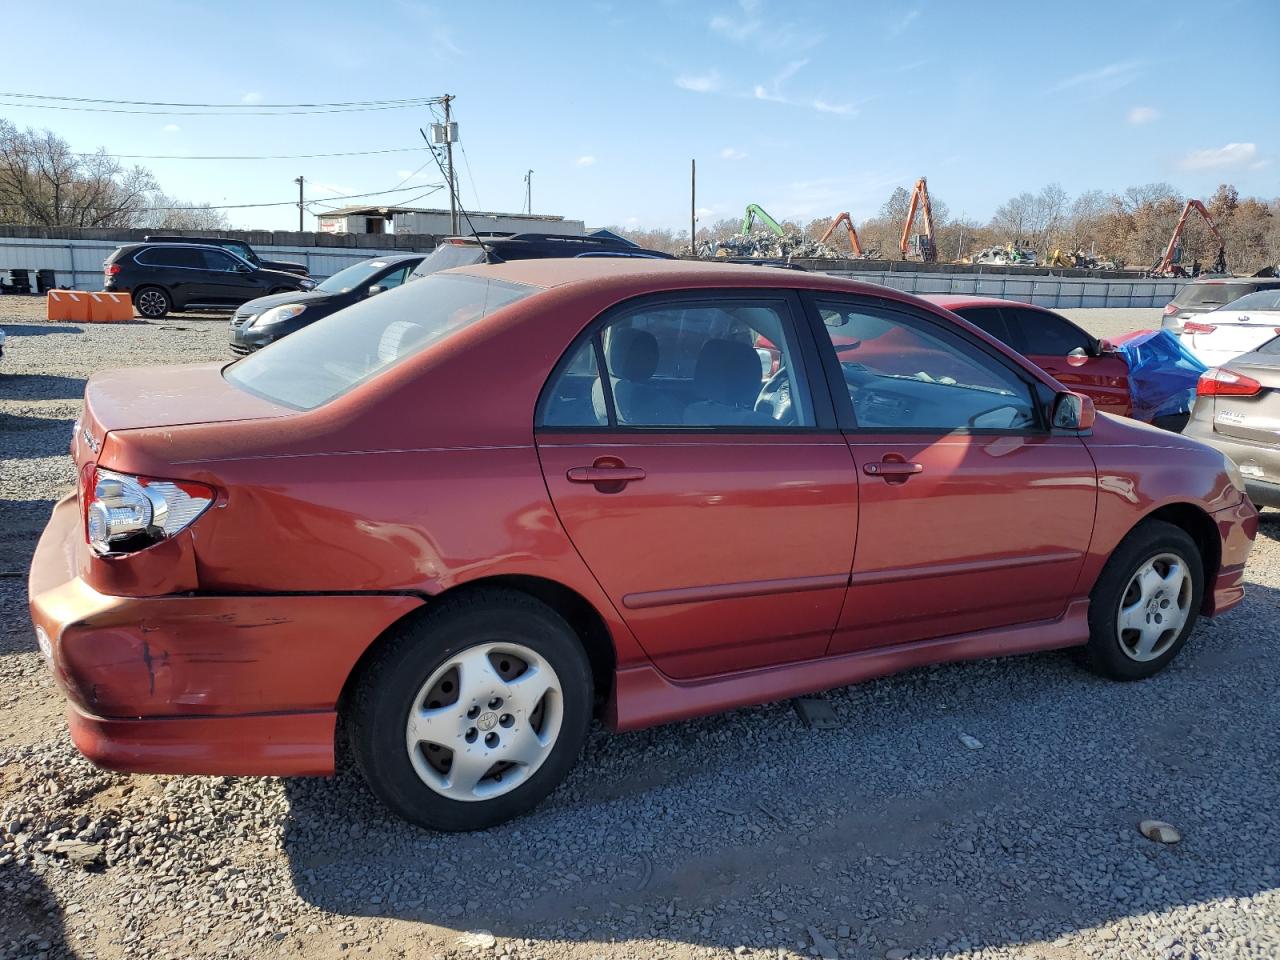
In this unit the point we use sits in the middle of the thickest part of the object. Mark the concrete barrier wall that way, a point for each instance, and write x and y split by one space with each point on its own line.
78 263
1059 292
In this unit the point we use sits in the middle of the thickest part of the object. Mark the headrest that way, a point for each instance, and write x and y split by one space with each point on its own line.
633 354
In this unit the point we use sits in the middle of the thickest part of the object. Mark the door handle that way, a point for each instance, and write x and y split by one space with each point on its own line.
596 474
893 471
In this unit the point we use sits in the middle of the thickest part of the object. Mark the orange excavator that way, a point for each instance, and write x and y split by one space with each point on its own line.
922 244
854 242
1169 263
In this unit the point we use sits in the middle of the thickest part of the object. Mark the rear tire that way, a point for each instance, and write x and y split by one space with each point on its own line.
472 714
1145 603
152 302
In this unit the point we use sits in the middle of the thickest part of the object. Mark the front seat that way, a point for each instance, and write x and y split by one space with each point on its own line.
633 360
727 378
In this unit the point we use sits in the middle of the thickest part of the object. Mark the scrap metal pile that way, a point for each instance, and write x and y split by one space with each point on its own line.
764 244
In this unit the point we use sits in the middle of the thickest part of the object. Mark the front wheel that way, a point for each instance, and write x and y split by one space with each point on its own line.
1145 603
471 715
152 302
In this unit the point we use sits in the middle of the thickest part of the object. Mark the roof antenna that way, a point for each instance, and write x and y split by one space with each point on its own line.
489 255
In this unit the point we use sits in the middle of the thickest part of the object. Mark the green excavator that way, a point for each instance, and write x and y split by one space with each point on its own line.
756 212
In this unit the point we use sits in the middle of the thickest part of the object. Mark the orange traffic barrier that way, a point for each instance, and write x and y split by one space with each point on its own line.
69 305
110 308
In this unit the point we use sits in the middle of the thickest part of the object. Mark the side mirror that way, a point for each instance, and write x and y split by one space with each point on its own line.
243 268
1106 346
1073 411
376 288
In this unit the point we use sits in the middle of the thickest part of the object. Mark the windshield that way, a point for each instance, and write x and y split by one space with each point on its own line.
342 351
353 276
1262 300
449 255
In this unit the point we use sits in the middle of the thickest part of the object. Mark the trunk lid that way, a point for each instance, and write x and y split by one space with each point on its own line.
1255 418
167 396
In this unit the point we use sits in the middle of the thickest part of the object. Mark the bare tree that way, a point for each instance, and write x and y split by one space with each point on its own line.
166 213
42 181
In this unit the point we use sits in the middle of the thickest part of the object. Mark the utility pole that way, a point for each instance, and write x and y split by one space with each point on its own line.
528 192
693 207
298 181
448 150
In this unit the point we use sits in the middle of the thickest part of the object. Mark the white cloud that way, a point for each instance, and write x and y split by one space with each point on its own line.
1102 80
1231 155
1141 115
749 26
253 97
171 128
732 153
902 23
586 161
708 82
844 109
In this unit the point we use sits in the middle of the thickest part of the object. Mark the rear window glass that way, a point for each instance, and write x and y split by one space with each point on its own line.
1262 300
1210 294
341 351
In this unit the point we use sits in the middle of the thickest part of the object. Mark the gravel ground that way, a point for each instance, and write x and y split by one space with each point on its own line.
741 835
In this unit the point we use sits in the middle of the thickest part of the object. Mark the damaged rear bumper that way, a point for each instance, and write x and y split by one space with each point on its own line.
198 684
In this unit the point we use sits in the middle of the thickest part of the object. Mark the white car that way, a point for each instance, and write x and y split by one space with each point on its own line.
1239 327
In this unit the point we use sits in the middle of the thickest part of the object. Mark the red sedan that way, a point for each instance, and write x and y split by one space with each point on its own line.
1053 343
430 517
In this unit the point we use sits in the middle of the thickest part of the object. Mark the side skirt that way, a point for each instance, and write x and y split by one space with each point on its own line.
643 696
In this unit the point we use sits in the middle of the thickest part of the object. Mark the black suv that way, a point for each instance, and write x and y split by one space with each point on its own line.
176 276
466 251
240 249
267 319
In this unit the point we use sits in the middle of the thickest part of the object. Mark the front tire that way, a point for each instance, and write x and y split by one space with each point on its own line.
471 715
1145 603
152 302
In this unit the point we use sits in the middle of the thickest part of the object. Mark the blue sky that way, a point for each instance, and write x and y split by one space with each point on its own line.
806 108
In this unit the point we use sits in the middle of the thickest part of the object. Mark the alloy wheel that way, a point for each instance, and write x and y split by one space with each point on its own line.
151 303
485 721
1154 607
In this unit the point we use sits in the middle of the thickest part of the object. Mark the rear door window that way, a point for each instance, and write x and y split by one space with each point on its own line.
724 362
190 258
1043 334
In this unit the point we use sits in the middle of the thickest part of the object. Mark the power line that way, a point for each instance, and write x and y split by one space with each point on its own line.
242 105
277 156
207 113
289 203
474 192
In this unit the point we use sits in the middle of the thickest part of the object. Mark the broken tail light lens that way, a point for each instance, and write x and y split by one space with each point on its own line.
124 514
1192 327
1220 382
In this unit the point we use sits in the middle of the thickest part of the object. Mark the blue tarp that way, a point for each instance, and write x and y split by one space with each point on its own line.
1162 374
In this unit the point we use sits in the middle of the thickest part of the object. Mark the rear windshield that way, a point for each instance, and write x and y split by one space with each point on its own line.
1262 300
341 351
449 255
1210 294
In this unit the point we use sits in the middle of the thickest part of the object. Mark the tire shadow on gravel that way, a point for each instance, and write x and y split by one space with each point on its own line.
38 329
39 386
30 917
751 829
33 438
21 523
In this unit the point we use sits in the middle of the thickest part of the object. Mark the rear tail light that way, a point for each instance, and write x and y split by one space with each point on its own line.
1220 382
1191 327
111 269
1170 309
124 514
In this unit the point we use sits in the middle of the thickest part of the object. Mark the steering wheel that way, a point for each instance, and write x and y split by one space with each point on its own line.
775 398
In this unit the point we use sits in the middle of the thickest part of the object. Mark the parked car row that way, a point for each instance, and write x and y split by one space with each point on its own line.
496 501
